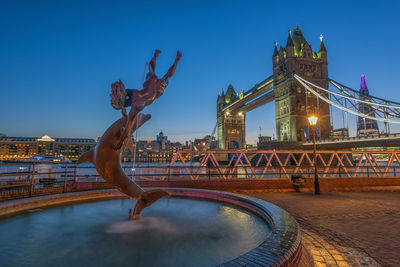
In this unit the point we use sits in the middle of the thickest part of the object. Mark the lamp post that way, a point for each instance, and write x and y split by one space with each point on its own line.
313 122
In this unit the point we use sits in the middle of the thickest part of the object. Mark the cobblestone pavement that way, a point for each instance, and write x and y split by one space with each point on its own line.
346 228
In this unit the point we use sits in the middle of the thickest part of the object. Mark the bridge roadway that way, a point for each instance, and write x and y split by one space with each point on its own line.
381 140
376 142
247 103
263 90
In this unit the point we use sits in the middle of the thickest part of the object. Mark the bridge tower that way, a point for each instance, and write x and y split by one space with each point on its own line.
293 103
231 125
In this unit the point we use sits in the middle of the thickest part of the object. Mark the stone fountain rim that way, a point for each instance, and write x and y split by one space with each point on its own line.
282 245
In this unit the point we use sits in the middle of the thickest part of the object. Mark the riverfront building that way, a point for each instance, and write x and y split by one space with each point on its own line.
24 148
159 150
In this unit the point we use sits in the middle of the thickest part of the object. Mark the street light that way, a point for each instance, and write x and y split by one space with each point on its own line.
313 122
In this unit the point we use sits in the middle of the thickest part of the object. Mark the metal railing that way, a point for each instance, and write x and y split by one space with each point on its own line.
27 180
284 163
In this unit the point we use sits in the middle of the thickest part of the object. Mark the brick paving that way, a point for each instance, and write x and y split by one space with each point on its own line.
362 228
328 253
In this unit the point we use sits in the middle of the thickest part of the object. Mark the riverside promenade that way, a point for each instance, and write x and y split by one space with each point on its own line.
345 228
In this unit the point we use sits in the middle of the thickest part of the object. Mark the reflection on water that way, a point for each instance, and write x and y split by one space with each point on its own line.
83 171
45 167
152 224
172 232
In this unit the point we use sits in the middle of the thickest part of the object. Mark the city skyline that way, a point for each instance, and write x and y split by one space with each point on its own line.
60 59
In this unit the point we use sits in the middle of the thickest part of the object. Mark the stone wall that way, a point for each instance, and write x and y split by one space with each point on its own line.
354 184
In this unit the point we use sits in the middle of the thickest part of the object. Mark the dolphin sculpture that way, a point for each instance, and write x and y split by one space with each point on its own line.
106 157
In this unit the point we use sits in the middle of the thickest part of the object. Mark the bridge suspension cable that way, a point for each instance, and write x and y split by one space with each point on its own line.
392 109
385 111
348 90
348 95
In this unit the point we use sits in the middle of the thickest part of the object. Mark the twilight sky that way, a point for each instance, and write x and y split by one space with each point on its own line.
59 58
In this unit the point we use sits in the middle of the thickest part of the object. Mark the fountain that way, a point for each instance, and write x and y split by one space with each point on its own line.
179 227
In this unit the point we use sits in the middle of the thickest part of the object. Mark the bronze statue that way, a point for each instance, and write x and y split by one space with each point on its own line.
106 156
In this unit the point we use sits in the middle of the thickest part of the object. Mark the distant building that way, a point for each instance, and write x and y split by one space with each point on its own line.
366 126
159 150
340 133
162 140
21 148
263 141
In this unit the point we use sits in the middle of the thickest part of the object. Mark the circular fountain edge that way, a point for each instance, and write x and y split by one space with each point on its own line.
282 247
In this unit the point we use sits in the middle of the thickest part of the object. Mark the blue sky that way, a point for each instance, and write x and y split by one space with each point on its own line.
59 58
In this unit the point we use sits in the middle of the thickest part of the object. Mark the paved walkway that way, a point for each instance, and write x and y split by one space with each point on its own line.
346 228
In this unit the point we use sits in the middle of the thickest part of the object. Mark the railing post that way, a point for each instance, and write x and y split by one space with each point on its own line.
208 164
32 181
394 170
340 175
29 171
367 171
65 178
19 177
75 179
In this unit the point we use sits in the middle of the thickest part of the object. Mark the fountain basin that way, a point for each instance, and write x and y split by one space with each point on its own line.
280 246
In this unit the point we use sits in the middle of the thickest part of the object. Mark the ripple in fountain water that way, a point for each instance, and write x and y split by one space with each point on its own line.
172 232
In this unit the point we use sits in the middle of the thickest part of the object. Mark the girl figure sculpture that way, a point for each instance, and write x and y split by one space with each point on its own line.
153 88
106 156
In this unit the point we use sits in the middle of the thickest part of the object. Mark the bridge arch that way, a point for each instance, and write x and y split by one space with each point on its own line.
232 145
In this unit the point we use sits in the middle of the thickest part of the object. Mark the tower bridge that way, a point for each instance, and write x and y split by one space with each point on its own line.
299 87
